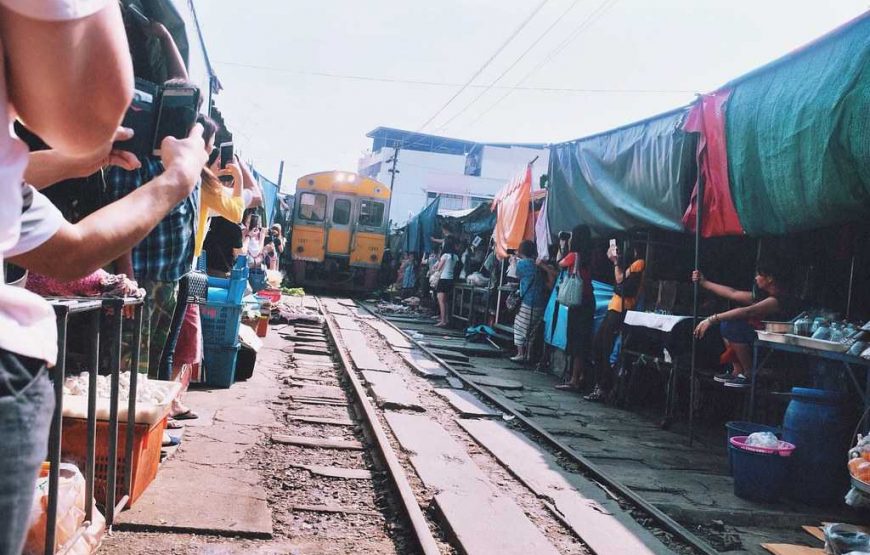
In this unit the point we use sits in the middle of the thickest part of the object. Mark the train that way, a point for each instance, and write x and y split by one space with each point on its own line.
339 231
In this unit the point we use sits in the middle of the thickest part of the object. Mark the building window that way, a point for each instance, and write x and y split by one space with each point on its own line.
371 213
477 201
312 207
341 211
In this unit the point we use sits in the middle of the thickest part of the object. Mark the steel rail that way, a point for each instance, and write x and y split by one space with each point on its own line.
660 517
423 534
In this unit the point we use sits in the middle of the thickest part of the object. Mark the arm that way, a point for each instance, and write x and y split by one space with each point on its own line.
47 167
729 293
111 232
250 183
174 62
758 310
70 81
230 207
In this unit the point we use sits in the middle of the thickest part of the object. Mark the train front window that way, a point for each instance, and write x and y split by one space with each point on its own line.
312 207
371 213
341 211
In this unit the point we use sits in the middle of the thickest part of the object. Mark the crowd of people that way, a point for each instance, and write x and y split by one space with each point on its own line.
591 343
67 84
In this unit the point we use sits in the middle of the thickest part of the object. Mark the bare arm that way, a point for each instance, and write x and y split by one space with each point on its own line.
251 183
77 250
742 297
174 61
69 81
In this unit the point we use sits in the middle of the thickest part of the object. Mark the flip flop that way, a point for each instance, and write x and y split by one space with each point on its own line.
186 415
567 387
172 424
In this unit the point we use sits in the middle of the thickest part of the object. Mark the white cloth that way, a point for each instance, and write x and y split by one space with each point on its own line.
27 325
247 197
542 233
449 266
653 321
40 220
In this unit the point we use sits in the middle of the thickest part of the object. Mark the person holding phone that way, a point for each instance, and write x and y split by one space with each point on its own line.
273 247
533 300
255 239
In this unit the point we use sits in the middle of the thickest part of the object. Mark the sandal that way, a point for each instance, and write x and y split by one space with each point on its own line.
596 396
173 424
170 441
567 387
186 415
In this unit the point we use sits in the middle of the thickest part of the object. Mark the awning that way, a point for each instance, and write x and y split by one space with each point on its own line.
635 177
798 138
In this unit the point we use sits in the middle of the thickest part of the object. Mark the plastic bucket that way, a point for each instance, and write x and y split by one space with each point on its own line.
759 476
739 428
820 424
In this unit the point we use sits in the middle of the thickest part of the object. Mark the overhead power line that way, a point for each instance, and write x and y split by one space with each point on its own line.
446 84
589 20
489 87
480 70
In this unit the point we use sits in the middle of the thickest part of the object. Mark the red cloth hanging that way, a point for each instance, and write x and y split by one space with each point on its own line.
707 117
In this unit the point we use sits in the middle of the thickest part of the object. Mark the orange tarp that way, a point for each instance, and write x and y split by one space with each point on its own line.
512 220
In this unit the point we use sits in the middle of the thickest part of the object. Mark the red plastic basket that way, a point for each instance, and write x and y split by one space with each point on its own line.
783 448
147 441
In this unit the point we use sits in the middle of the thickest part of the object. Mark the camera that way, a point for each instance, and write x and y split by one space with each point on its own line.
156 113
564 235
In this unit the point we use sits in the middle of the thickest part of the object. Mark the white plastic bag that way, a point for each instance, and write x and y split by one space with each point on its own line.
70 515
763 439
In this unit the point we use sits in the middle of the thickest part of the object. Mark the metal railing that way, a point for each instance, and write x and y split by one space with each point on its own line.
94 309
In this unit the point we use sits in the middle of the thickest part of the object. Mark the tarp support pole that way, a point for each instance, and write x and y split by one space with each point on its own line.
696 286
851 283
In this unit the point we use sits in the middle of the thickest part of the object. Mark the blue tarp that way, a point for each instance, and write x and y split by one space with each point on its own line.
421 228
270 197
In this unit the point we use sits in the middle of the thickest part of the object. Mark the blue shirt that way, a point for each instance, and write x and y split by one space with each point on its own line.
166 254
531 284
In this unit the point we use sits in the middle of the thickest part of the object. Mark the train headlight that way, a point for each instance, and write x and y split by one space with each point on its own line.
300 248
374 258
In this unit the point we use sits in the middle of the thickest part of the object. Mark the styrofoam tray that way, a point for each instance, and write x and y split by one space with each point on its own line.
772 337
801 341
76 406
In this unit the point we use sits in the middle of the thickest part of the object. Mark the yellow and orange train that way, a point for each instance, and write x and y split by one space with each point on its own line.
339 230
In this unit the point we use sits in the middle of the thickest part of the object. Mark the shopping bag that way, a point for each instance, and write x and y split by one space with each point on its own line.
571 291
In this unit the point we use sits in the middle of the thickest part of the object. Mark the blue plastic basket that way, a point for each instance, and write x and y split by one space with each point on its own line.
220 324
229 290
219 365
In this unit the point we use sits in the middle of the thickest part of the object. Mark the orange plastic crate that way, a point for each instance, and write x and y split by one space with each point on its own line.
147 441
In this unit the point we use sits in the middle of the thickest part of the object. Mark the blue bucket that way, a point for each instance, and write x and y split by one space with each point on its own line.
758 476
739 428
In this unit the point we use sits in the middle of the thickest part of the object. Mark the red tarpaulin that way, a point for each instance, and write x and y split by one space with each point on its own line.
707 117
512 204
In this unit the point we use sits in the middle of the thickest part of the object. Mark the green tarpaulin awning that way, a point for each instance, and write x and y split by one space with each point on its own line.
798 137
635 177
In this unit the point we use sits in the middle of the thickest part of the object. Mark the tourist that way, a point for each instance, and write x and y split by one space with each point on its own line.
445 268
532 299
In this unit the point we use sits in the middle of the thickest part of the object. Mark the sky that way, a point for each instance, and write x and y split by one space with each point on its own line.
305 81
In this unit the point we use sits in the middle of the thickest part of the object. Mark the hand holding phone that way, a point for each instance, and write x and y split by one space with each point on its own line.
176 114
183 159
232 173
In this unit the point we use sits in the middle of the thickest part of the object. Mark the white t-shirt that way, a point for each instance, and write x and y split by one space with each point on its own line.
27 324
447 270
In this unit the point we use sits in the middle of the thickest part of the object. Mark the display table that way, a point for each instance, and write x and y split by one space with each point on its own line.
469 303
667 347
849 362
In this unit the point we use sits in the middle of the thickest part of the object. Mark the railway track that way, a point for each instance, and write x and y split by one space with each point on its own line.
463 472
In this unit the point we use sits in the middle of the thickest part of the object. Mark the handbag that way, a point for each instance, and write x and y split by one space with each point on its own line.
434 279
571 291
514 300
197 287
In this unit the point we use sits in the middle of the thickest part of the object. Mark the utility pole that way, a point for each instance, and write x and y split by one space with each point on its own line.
280 175
393 171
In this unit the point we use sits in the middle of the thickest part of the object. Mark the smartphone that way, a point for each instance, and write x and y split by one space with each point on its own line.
140 118
226 154
176 115
137 15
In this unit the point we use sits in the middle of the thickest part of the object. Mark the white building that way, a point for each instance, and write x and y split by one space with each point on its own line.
463 173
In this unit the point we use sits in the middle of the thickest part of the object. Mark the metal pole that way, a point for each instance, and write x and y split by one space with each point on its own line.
115 368
54 437
131 403
280 175
851 283
92 415
699 206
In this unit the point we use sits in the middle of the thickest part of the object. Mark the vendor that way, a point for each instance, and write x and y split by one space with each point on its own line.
770 299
